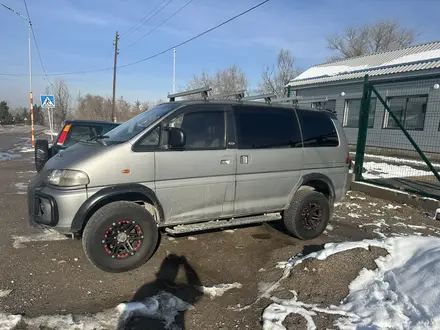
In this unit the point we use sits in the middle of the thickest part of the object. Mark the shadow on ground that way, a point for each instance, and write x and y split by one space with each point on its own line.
166 286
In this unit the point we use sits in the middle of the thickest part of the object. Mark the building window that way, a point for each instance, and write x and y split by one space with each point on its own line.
409 110
352 110
329 105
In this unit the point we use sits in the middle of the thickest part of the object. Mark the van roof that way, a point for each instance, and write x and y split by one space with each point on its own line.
254 103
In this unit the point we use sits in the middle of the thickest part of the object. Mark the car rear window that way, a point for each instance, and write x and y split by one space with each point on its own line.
318 129
84 132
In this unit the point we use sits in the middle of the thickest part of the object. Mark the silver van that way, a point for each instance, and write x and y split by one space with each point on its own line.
193 165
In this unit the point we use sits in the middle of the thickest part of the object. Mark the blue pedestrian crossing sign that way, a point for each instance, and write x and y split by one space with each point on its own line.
47 101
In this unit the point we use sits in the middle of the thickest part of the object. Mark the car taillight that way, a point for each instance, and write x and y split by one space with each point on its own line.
347 159
63 135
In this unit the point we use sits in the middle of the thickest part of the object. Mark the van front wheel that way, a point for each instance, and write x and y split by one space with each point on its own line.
307 215
120 236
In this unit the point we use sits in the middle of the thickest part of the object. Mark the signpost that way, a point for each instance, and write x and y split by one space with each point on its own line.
48 102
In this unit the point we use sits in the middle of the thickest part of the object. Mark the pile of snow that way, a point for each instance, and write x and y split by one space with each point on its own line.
387 171
7 156
402 293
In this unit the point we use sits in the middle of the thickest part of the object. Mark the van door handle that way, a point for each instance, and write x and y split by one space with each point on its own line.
225 162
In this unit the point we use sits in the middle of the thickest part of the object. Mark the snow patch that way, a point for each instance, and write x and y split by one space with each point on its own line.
21 185
4 293
164 307
328 71
422 56
274 315
387 171
7 156
46 235
219 289
27 149
8 321
402 293
392 207
399 160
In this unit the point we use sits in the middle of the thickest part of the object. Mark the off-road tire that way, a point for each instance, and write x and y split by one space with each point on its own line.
292 216
105 218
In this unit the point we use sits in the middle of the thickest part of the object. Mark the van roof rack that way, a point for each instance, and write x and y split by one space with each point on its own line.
238 95
203 91
267 97
286 99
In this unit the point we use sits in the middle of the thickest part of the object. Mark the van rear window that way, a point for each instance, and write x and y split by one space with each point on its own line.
318 129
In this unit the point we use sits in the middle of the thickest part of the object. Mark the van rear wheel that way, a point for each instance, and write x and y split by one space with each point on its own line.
120 236
307 215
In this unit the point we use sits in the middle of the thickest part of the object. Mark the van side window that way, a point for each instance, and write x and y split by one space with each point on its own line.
151 139
204 130
263 127
318 129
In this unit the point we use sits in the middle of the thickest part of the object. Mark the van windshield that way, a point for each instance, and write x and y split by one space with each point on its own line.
137 124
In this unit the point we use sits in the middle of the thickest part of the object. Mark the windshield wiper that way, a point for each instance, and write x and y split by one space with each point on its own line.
99 138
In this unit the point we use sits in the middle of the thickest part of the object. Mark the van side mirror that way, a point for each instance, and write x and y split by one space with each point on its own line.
176 138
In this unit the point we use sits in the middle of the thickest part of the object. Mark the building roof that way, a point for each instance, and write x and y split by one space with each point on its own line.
414 58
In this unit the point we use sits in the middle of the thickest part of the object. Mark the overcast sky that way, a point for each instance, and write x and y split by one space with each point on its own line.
76 35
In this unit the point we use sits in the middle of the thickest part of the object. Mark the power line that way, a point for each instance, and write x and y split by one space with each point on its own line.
195 37
140 23
36 43
163 22
155 55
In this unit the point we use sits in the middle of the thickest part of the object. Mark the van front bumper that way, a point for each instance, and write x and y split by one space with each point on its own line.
53 208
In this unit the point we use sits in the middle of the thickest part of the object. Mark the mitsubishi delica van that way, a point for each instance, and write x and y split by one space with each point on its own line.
193 165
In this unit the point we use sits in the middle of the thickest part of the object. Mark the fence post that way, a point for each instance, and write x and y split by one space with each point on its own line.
363 128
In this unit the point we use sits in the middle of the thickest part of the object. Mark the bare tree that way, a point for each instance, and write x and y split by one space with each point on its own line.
385 35
228 80
274 78
93 107
62 102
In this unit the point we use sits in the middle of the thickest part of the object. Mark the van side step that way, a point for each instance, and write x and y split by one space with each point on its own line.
183 229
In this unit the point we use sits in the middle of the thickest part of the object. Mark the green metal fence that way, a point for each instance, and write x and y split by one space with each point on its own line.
398 143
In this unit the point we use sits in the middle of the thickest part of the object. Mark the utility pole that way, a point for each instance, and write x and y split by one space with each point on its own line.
114 78
174 71
31 109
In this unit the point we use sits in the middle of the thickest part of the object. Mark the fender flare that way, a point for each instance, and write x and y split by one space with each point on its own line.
309 178
109 194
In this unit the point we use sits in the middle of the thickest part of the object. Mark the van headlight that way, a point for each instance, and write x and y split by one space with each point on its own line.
67 178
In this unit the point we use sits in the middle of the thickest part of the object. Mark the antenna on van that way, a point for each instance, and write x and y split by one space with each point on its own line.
238 95
203 91
266 97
